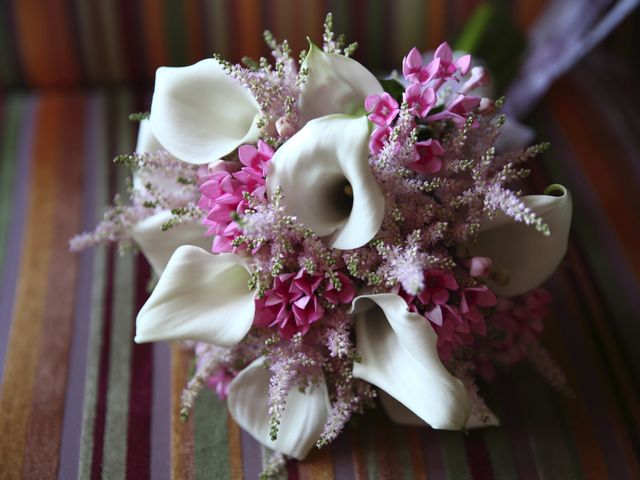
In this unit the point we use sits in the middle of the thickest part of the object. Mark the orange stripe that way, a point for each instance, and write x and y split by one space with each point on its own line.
26 331
250 30
154 35
182 443
45 424
600 161
235 449
195 35
47 47
317 466
437 16
417 460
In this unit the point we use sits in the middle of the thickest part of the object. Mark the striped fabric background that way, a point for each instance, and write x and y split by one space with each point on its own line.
80 400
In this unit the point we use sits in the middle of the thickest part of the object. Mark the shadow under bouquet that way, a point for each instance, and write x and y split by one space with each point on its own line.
366 243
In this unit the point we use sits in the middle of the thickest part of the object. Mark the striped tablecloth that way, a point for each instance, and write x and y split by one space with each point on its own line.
79 399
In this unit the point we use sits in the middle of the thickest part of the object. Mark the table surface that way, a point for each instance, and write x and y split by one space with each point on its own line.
79 399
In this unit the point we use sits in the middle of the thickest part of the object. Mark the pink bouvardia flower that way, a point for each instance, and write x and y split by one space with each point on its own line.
377 139
223 193
292 304
427 158
382 108
478 266
448 67
219 382
453 333
437 283
458 110
420 99
414 71
471 299
343 296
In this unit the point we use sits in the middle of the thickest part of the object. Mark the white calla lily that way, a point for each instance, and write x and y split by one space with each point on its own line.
399 356
158 245
402 415
326 180
200 114
334 84
200 296
522 258
303 418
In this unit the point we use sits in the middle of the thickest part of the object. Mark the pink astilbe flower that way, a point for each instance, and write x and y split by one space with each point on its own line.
223 194
382 108
428 153
420 99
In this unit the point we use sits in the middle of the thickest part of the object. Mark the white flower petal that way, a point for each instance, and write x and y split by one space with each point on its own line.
399 356
520 254
335 84
302 420
313 168
147 142
158 246
200 296
200 114
402 415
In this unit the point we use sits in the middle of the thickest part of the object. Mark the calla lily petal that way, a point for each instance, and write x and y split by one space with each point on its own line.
335 84
523 257
303 418
402 415
399 356
147 141
200 114
200 296
327 182
158 246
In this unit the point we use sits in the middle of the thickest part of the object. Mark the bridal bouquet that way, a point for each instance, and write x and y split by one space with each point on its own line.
324 238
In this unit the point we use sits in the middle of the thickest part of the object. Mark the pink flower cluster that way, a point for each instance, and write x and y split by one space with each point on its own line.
224 191
295 301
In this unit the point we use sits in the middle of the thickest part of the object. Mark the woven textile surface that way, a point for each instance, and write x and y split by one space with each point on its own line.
80 400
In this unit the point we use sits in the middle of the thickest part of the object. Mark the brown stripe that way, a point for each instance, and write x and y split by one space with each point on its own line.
44 429
235 449
22 356
317 466
182 444
359 462
417 461
154 36
386 456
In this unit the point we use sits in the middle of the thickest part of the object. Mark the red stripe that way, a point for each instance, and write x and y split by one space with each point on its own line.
478 458
141 388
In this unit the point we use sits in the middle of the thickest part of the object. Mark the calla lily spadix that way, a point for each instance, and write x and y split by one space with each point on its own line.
400 356
200 114
157 245
199 296
334 84
326 180
303 418
521 257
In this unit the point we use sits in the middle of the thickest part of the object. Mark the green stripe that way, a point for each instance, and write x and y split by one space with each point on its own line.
408 25
8 162
116 421
497 441
87 42
216 10
211 442
454 454
374 38
112 40
97 302
399 434
176 32
553 447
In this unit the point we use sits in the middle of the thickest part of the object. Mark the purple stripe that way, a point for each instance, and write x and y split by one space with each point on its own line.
72 423
161 412
251 456
342 456
13 252
432 454
591 390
